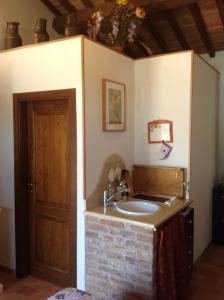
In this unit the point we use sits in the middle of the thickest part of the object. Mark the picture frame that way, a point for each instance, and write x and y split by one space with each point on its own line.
160 131
113 105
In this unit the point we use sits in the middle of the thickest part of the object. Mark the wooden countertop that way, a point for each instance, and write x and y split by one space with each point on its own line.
152 221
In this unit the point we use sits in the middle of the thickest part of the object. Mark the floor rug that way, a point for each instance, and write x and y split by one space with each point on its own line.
70 294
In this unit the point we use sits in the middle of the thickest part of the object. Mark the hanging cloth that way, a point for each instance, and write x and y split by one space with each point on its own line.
171 260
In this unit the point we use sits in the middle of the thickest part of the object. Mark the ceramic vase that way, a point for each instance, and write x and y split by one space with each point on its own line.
12 38
71 28
40 31
118 49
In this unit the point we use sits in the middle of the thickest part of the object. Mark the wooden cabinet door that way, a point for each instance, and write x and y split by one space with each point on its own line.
52 190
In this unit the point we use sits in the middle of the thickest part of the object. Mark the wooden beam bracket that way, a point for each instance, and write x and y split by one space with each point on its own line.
51 7
199 21
220 7
157 36
67 6
171 18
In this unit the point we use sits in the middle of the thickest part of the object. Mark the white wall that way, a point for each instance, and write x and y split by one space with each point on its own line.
101 62
162 91
26 12
44 67
218 63
59 66
203 150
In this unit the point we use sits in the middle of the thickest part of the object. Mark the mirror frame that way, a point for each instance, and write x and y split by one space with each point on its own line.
156 123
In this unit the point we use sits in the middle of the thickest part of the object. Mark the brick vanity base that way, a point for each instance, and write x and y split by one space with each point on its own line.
120 259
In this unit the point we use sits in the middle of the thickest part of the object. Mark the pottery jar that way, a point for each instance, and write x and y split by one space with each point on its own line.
12 38
71 26
40 31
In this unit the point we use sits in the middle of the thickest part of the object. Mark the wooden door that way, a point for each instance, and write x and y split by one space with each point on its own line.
51 187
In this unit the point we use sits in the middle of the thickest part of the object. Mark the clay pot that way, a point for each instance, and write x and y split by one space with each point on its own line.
40 30
118 49
12 38
71 28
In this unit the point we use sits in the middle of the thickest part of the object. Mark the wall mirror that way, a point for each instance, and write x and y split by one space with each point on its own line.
159 131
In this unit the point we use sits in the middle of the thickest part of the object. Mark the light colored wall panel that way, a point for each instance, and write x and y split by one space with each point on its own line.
162 91
45 67
100 63
203 150
7 240
218 63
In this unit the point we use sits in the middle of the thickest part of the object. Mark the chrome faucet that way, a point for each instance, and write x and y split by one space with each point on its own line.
107 199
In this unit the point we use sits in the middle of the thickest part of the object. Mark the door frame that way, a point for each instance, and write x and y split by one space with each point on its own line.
22 234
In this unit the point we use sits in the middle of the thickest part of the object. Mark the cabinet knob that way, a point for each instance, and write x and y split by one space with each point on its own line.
190 237
189 252
190 222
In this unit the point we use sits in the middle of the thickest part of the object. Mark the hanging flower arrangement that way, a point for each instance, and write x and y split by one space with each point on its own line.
119 27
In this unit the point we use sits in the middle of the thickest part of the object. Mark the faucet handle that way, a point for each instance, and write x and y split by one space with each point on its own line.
105 196
127 191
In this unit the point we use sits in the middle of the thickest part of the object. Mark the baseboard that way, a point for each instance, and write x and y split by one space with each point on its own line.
7 270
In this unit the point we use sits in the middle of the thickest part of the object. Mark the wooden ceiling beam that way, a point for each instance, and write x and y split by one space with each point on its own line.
52 8
147 48
199 21
162 5
106 8
157 36
136 50
67 6
151 7
141 39
220 7
171 18
87 3
143 36
154 8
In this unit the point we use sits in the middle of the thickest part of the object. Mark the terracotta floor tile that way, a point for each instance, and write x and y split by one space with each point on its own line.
7 279
40 284
3 296
204 294
21 289
40 296
30 288
207 281
18 296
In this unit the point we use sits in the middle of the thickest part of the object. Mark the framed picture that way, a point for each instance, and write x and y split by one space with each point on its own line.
160 131
113 105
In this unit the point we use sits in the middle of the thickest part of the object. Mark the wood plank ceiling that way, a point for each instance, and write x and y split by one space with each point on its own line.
170 26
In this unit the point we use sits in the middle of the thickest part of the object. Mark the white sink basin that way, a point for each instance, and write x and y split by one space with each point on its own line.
137 208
